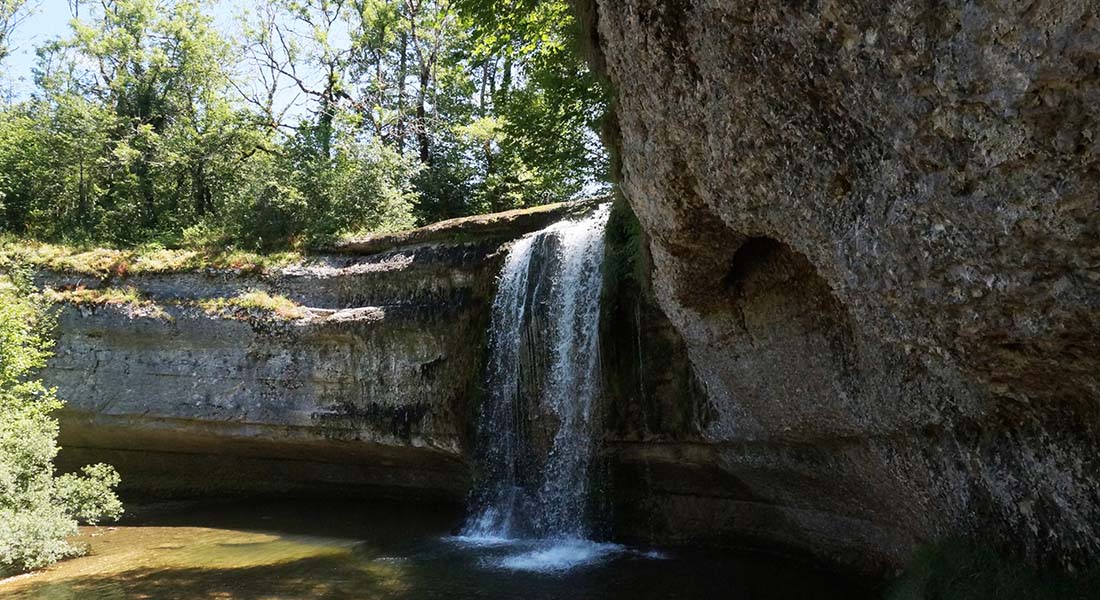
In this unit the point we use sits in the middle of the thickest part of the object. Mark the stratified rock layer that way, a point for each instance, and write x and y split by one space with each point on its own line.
366 387
876 227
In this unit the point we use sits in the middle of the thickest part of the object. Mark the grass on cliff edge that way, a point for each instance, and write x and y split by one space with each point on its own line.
248 303
128 296
201 253
111 262
956 569
255 300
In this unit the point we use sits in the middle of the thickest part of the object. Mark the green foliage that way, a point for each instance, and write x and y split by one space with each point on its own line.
254 300
24 345
550 110
89 497
446 190
12 12
956 569
304 196
150 125
625 257
38 510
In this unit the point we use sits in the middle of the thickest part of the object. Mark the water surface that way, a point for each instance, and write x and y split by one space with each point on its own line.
313 550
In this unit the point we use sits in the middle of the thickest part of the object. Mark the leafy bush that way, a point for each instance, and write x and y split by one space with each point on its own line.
38 509
956 569
304 197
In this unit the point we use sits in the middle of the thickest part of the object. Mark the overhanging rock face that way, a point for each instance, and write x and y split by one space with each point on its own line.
876 226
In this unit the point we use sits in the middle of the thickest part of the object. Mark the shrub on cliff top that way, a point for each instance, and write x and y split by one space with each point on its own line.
39 510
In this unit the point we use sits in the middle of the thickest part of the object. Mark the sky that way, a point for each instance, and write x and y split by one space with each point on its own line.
50 20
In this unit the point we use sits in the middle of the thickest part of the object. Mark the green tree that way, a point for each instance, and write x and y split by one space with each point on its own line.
546 108
149 124
136 133
335 169
38 509
51 158
161 72
12 13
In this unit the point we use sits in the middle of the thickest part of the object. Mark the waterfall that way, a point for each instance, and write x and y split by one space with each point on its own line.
535 432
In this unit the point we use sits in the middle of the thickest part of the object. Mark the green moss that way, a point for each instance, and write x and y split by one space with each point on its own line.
101 296
956 569
112 262
649 387
625 253
108 296
254 300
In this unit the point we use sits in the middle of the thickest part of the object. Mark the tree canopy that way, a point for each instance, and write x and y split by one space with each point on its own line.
39 509
149 123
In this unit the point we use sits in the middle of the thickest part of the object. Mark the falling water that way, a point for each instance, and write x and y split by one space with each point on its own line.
542 381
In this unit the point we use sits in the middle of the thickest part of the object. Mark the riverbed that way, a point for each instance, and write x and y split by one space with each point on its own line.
347 550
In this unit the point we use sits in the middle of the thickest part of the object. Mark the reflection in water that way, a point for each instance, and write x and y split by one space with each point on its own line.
332 550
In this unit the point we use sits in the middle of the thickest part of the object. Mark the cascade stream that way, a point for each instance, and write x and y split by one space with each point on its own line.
535 429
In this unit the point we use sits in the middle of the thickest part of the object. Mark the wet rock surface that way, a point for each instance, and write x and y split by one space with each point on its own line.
876 228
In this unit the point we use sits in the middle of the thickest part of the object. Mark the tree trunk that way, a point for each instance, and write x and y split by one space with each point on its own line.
201 190
379 99
148 194
483 109
401 70
328 114
324 128
506 81
422 115
82 193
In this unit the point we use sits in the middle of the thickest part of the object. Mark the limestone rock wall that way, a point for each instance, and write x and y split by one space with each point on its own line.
368 387
876 227
367 392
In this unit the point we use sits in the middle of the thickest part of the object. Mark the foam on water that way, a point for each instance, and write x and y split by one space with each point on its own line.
558 556
540 555
480 541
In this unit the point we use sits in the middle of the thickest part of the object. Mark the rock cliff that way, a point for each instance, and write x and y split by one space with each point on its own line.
360 382
859 310
876 227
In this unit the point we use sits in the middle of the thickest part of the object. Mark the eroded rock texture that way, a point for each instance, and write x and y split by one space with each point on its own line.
364 394
367 389
876 226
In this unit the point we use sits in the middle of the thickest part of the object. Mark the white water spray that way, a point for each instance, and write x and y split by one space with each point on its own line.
535 428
